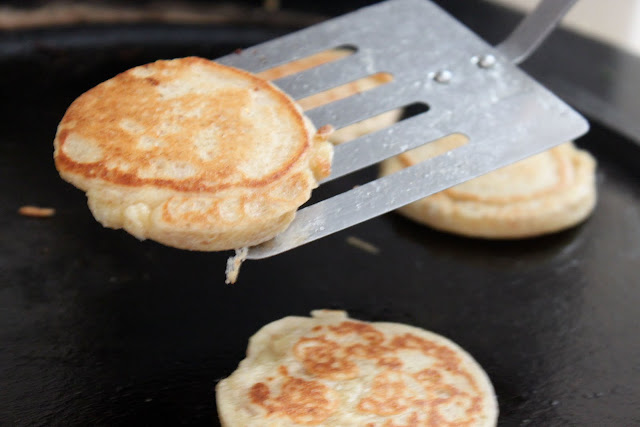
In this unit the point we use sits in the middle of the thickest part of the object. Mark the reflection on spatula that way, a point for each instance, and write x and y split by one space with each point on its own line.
469 87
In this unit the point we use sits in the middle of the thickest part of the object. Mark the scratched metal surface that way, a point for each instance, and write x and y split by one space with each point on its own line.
97 328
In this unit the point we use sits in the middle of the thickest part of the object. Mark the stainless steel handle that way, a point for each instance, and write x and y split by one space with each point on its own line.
533 29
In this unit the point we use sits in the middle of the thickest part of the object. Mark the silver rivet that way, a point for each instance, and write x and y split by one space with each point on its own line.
443 76
486 61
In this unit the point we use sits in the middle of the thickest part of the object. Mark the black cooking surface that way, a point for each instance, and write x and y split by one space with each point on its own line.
97 328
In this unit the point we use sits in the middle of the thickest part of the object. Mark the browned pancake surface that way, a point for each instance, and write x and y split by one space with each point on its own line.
334 371
145 127
192 154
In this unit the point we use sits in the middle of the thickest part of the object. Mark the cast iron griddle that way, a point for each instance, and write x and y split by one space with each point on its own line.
97 328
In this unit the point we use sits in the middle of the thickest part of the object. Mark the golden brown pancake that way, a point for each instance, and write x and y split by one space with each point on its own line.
330 370
546 193
355 130
192 154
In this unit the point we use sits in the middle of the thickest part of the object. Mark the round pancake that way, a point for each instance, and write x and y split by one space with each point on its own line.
546 193
330 370
192 154
355 130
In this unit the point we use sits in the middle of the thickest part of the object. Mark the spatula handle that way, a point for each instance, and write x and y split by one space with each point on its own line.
533 29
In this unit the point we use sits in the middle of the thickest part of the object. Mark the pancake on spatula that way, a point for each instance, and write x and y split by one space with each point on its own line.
192 154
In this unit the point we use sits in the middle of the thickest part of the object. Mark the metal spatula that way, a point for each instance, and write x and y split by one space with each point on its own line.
469 86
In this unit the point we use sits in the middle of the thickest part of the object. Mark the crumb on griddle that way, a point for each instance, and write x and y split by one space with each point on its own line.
36 211
363 245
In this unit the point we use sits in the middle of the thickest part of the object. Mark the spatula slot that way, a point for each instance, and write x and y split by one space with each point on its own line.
326 76
413 110
379 122
344 91
308 62
436 148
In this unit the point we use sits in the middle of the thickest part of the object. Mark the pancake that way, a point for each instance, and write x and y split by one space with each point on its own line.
543 194
192 154
330 370
355 130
